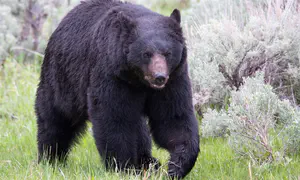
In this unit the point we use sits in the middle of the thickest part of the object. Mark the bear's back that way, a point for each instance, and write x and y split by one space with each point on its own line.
75 32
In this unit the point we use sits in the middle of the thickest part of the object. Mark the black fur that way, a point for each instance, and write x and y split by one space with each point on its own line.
93 70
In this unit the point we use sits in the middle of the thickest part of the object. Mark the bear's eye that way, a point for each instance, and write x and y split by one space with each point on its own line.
147 55
167 54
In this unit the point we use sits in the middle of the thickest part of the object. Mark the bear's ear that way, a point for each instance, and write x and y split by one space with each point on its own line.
176 16
125 21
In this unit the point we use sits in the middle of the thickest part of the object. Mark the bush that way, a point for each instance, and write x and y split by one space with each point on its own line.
215 124
239 37
260 125
252 123
292 140
8 30
25 25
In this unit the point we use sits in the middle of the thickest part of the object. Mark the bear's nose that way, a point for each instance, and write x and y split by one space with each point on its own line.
160 79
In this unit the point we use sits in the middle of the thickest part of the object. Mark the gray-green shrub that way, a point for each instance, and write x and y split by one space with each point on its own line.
25 25
232 39
258 123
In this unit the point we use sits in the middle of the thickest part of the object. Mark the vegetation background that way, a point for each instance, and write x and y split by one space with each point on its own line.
244 62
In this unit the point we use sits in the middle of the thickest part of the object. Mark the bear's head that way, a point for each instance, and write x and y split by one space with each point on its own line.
158 49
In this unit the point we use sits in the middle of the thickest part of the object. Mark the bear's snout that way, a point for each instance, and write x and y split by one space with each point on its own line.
160 79
158 73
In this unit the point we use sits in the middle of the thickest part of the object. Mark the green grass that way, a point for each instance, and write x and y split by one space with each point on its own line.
18 151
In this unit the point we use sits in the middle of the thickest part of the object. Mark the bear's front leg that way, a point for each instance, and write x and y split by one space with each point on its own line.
174 125
115 111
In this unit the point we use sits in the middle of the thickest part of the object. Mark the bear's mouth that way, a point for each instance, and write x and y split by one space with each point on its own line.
157 83
157 86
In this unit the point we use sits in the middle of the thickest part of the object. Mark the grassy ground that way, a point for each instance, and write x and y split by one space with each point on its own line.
18 152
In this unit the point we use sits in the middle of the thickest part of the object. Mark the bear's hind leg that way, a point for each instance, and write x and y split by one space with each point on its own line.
56 134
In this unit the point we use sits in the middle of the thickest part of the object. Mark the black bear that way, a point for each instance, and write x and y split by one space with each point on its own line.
124 68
